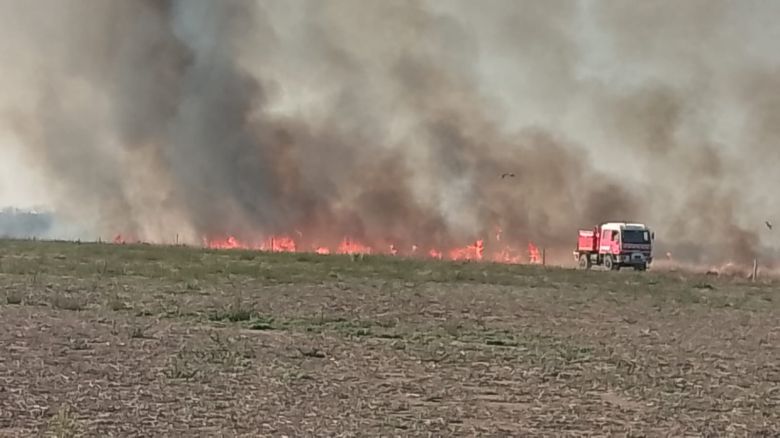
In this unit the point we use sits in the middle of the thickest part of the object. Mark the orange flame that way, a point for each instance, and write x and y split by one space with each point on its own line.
349 246
471 252
229 242
279 244
533 253
475 252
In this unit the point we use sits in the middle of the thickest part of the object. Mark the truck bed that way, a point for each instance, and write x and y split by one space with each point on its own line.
587 241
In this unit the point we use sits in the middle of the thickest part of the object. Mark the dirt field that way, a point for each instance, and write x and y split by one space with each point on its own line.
102 340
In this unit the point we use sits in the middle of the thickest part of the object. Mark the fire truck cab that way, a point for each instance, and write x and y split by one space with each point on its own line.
615 245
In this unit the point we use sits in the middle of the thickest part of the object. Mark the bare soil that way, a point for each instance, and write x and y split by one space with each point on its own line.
103 340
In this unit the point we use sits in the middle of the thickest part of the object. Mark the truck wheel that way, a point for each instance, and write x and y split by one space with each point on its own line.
584 262
608 263
642 267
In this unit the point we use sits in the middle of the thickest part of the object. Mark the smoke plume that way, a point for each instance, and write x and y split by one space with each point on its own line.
393 122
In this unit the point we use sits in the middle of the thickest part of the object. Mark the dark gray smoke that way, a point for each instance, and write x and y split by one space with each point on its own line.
392 122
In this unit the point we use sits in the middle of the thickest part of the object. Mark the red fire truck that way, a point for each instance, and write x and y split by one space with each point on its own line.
615 245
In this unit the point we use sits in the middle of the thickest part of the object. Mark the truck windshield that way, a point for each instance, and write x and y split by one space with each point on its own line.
636 236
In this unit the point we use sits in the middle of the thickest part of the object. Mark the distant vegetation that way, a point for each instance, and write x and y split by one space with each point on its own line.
23 224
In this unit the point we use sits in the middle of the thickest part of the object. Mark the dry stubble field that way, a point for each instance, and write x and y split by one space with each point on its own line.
102 340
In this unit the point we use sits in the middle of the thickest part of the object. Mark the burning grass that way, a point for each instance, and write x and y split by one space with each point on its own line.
497 252
145 340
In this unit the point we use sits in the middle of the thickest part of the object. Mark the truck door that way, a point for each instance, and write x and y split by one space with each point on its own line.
605 243
615 242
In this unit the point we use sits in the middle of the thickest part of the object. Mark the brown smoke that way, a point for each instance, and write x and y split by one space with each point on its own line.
392 122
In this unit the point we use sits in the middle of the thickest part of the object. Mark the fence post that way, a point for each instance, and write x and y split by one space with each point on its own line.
755 269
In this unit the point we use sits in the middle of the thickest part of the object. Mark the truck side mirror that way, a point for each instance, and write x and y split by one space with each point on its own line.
652 235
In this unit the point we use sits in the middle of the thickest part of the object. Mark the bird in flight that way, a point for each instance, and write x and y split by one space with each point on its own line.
504 175
768 225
